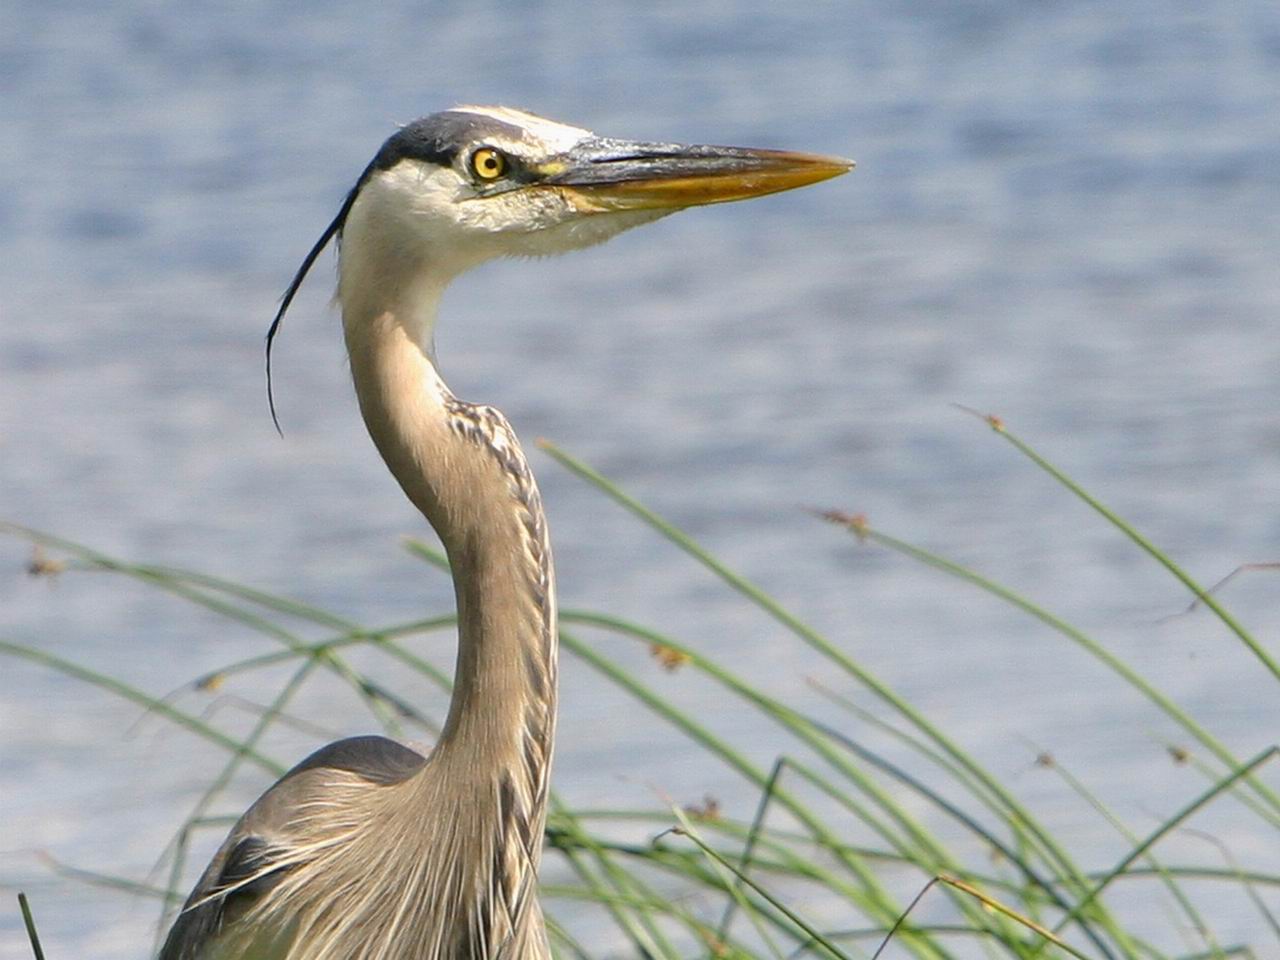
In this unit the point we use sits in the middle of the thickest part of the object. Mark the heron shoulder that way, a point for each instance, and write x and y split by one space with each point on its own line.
379 760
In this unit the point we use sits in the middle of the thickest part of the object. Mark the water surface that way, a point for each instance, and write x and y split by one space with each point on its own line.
1068 215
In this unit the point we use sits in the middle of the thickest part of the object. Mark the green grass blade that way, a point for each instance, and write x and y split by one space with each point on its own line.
95 559
1141 849
1201 594
107 881
1167 879
863 531
753 836
686 829
211 594
30 922
134 695
379 638
883 908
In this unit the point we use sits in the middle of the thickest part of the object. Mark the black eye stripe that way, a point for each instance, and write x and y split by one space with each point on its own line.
441 137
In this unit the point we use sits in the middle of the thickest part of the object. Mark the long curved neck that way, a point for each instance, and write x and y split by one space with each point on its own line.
461 465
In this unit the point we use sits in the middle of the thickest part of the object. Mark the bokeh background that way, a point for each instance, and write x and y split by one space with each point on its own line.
1067 214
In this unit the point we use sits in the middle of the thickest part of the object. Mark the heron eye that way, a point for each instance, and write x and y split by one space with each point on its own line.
488 164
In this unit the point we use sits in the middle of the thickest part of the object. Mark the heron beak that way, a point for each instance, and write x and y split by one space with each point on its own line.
601 175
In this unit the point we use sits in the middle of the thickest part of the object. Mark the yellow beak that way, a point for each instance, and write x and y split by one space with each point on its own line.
612 175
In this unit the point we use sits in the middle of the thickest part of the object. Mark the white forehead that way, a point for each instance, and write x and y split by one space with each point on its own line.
556 137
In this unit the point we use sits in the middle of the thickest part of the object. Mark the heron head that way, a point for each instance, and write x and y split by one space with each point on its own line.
469 184
456 188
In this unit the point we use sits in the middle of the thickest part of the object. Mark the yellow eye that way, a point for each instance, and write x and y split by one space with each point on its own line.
488 164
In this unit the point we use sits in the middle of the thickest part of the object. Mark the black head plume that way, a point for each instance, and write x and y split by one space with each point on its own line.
333 230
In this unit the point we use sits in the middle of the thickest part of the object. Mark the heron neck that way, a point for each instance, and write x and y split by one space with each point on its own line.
462 467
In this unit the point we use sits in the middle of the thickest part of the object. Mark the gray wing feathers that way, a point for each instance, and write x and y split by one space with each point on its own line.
241 870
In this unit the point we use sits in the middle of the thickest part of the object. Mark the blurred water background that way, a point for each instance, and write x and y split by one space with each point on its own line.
1068 214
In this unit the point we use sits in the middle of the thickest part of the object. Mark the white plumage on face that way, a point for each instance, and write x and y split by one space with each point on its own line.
550 136
438 196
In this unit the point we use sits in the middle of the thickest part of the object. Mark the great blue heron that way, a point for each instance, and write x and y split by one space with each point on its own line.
368 850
